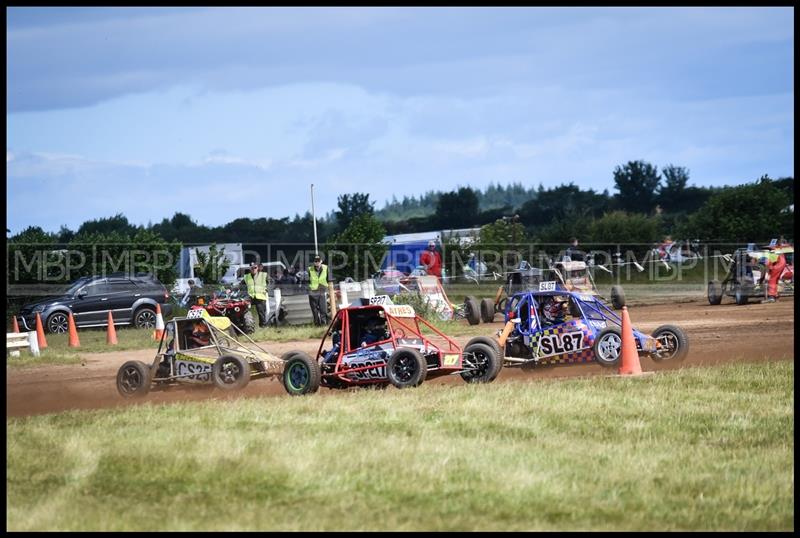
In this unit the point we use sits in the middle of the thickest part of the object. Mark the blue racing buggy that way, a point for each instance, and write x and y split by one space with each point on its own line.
555 326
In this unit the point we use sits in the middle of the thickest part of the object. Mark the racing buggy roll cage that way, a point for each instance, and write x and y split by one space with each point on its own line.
415 330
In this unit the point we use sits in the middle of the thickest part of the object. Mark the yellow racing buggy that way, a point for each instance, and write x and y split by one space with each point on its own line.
200 349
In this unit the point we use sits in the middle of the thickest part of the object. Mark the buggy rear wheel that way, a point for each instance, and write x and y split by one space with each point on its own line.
674 340
617 297
608 347
472 310
248 323
714 292
230 372
484 362
741 294
301 373
487 310
406 368
133 379
501 305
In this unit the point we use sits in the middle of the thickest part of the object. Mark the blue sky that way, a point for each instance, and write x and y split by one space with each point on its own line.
225 113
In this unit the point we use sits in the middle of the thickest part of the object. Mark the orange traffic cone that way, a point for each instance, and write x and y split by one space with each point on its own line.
41 340
630 357
14 325
111 336
159 332
74 341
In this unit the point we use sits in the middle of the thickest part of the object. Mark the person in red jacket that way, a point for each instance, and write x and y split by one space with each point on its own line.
776 263
431 260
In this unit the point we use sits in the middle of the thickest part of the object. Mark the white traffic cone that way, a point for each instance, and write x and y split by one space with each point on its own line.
159 332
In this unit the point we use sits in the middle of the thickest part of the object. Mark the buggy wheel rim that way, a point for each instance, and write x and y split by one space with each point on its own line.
669 341
229 372
297 376
480 363
58 323
131 380
404 369
609 347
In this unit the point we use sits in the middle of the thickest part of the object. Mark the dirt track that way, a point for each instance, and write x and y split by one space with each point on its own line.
717 334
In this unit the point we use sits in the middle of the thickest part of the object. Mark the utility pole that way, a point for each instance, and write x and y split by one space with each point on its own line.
314 217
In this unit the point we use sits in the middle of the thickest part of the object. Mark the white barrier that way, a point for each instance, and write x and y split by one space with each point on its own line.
17 341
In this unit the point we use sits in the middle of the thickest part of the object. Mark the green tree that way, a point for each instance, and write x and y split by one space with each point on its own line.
632 231
211 266
457 209
563 201
358 250
350 206
502 242
637 183
672 194
753 212
118 223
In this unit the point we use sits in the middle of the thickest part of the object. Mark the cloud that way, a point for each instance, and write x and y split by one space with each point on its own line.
74 61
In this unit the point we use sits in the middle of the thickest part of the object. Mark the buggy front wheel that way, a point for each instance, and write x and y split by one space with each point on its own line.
230 372
608 347
133 379
406 368
301 373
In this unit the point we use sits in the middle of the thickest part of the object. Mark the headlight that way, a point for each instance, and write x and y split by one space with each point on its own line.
38 308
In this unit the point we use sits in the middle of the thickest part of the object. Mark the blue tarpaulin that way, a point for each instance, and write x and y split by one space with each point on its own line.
404 256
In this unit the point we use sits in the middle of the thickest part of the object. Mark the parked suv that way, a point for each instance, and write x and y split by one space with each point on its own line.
131 299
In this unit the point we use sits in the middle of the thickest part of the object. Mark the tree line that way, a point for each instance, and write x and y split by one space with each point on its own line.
647 205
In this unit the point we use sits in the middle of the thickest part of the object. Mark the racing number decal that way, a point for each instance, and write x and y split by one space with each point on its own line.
449 360
202 372
547 285
556 344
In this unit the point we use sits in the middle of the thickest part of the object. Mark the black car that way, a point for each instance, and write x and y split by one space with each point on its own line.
130 298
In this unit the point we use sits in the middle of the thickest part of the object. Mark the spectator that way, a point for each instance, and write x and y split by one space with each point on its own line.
256 282
431 260
317 291
572 253
190 297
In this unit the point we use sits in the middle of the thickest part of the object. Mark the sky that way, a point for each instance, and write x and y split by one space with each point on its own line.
224 113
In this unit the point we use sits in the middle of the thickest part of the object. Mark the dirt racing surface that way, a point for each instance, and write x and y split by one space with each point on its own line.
717 334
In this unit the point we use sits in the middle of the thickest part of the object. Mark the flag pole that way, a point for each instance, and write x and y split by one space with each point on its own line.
314 218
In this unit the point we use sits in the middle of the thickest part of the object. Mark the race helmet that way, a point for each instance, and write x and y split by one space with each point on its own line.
376 324
552 310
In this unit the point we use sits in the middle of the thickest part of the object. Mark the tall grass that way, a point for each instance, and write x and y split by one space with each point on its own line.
691 449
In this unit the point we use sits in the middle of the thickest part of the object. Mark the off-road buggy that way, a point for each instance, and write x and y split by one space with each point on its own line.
430 289
564 275
203 350
553 326
374 342
747 275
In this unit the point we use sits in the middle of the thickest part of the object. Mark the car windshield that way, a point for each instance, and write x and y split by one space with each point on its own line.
77 285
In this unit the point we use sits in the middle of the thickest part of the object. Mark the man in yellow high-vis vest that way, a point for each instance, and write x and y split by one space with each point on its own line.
317 288
256 281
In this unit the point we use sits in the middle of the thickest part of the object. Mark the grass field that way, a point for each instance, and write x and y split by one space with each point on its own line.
690 449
